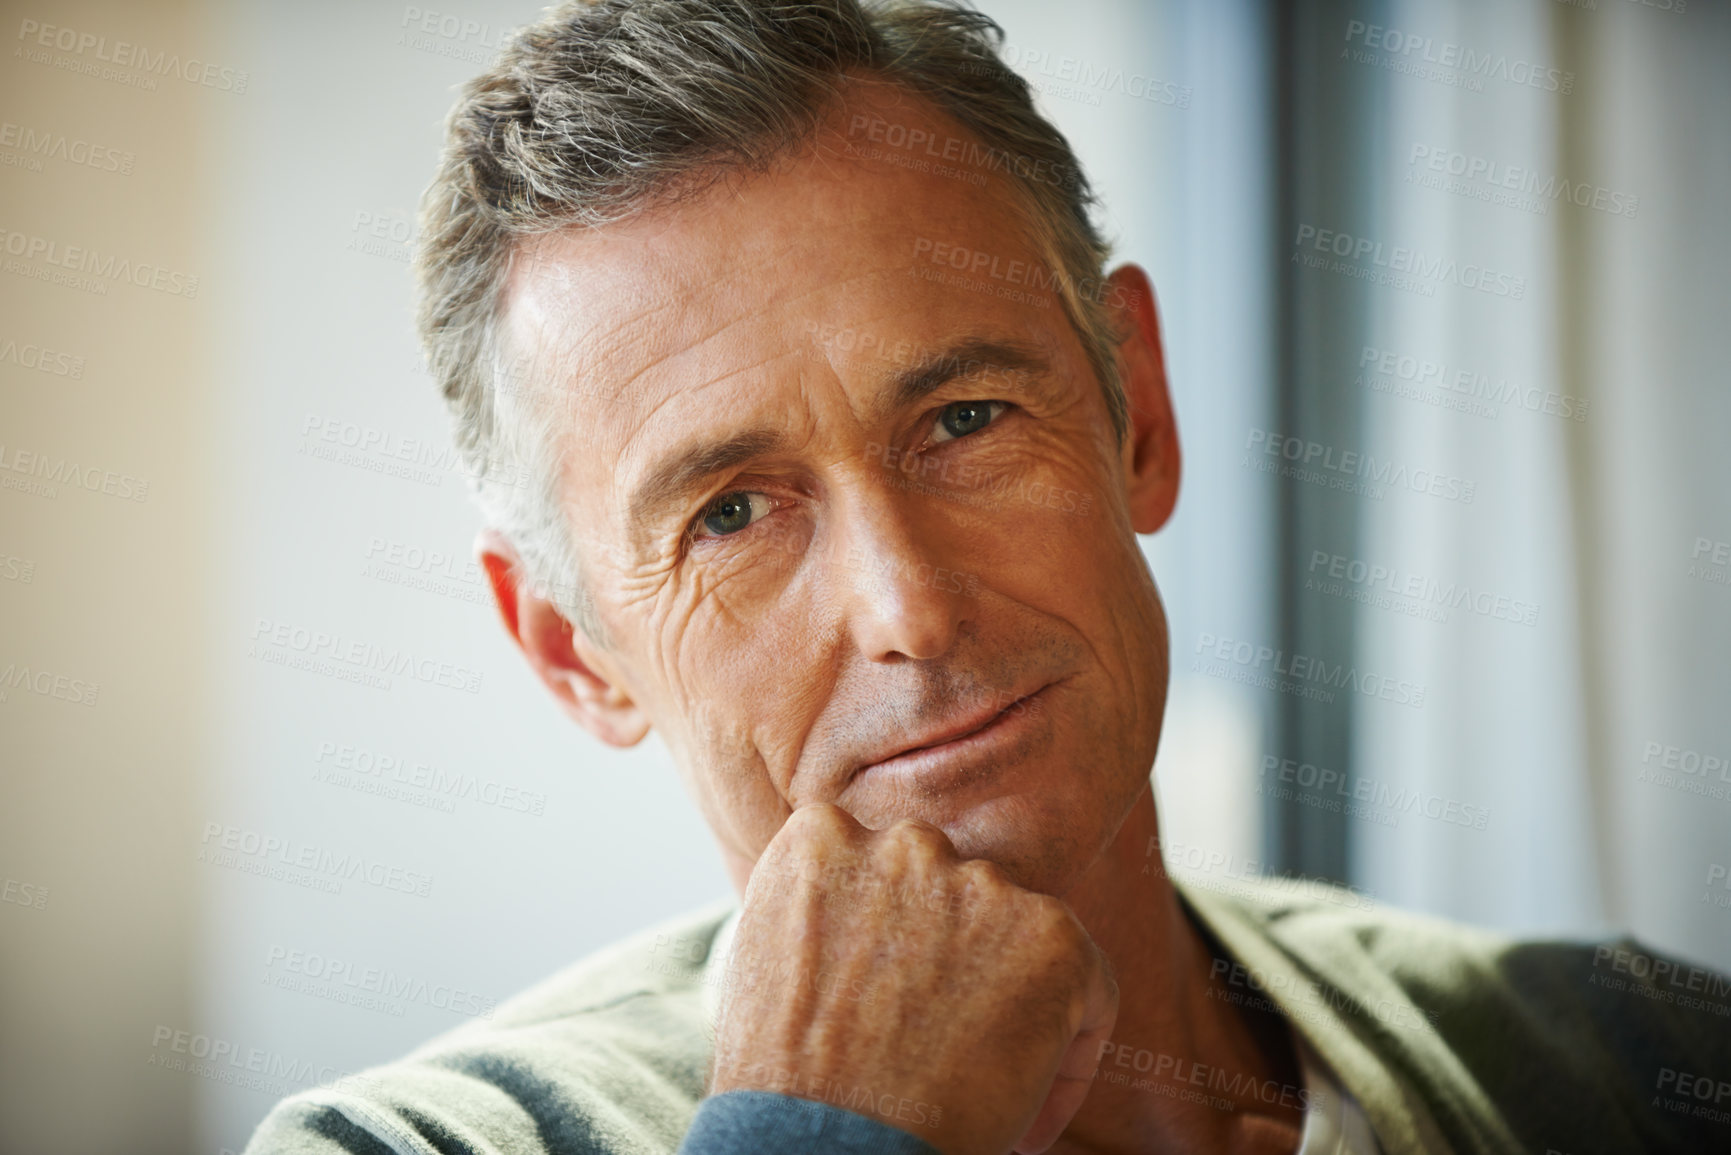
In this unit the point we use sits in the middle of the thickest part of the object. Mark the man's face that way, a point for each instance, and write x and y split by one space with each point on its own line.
849 503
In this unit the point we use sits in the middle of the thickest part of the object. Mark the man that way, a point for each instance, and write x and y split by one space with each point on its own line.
813 436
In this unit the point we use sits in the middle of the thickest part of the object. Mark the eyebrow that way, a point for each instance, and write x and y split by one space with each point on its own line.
670 481
963 359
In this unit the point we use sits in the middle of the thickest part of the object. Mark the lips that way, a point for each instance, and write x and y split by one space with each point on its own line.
951 729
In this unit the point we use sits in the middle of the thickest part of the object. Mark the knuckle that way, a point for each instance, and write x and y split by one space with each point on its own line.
818 824
913 834
1052 920
813 842
985 877
819 816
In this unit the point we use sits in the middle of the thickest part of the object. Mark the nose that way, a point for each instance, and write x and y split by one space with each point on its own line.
902 599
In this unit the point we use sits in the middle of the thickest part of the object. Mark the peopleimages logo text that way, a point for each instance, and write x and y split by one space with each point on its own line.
1447 54
1419 265
123 54
45 144
101 266
1306 670
324 868
1364 467
357 655
1516 178
1468 383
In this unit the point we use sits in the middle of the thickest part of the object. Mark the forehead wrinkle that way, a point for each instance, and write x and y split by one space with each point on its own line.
684 391
618 334
620 337
746 314
669 280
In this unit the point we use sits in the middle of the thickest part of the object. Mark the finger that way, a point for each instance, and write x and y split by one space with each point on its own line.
814 825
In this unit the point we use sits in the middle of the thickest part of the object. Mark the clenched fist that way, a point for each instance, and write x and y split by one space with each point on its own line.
878 971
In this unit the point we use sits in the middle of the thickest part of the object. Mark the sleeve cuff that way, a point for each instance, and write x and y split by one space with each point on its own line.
767 1123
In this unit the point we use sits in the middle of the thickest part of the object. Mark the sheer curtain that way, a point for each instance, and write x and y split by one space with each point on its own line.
1578 688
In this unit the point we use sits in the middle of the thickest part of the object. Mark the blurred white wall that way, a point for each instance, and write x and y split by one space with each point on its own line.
347 515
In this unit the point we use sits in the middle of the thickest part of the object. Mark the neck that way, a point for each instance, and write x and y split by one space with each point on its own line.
1176 1072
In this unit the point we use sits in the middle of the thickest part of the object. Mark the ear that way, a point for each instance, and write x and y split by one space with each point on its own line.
1152 461
567 662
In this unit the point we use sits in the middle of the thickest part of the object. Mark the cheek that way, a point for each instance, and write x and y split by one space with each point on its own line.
732 786
727 622
742 667
744 707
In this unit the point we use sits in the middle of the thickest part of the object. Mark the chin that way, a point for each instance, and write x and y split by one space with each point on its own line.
1041 843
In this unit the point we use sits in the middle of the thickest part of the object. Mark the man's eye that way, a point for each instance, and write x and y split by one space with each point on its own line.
730 513
964 417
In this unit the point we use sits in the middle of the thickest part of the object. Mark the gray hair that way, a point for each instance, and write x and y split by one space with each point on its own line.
606 107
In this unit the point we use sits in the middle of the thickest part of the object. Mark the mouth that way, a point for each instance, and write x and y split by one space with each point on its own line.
979 732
